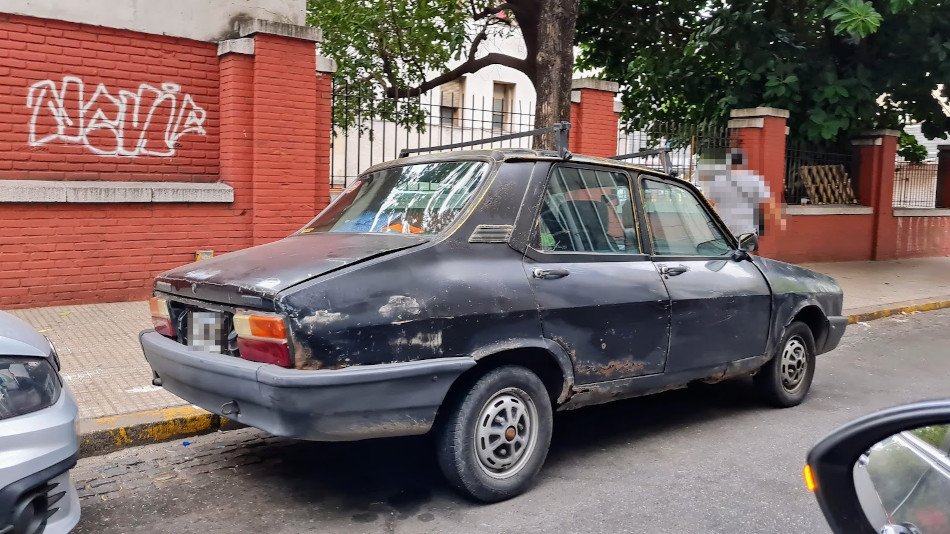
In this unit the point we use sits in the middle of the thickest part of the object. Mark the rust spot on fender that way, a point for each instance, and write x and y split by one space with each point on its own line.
611 370
571 351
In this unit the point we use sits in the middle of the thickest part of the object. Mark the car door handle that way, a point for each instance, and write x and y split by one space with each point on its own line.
674 270
550 274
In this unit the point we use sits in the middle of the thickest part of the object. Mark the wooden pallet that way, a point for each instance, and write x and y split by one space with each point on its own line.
828 184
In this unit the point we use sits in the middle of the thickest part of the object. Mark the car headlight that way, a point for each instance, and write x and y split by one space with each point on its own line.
27 385
54 354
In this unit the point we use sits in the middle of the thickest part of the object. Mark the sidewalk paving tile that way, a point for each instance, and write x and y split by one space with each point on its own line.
879 283
102 361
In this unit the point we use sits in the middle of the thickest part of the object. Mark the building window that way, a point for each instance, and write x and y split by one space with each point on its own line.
450 105
502 98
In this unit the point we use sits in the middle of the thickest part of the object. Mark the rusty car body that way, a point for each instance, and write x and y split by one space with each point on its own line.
567 268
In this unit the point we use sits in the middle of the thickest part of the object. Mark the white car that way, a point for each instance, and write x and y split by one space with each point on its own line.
39 443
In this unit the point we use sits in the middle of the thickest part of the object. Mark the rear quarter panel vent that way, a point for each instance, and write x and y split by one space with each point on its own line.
491 233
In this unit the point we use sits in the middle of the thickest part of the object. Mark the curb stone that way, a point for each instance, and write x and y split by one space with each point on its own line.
872 313
107 434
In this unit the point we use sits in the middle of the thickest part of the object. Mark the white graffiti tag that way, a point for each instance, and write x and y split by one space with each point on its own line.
147 123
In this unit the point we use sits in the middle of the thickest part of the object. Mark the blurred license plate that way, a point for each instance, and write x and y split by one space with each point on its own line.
206 331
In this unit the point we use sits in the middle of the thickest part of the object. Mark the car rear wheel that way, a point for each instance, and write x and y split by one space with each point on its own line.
496 435
784 381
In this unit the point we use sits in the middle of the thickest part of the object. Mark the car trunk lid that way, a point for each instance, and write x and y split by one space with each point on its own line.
253 277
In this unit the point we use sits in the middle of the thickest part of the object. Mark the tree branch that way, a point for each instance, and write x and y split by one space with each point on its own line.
476 42
388 68
470 66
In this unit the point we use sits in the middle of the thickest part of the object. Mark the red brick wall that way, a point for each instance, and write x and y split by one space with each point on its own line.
923 236
850 238
765 148
880 159
265 118
594 124
826 238
324 126
51 67
285 130
70 253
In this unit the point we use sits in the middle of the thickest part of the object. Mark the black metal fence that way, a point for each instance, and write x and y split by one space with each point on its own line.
447 119
687 144
915 184
802 155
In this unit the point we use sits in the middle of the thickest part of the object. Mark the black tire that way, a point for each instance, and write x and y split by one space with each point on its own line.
510 388
776 380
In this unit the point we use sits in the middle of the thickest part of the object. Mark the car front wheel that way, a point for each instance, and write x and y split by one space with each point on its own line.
497 434
785 379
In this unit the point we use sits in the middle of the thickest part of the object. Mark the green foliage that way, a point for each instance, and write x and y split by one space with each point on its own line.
896 6
911 149
854 17
380 44
828 62
935 435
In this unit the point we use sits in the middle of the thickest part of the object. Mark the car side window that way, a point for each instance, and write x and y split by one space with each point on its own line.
679 224
587 210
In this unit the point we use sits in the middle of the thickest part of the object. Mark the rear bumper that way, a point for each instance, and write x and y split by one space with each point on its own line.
837 326
358 402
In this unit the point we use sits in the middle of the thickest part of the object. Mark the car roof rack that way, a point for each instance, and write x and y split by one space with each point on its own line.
559 129
665 160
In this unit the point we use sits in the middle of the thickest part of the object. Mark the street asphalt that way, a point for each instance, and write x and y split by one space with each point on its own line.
705 459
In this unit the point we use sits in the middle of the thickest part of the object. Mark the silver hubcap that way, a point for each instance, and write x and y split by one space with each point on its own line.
794 363
506 433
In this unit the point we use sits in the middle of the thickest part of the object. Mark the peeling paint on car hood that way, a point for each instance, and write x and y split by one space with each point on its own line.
252 276
789 278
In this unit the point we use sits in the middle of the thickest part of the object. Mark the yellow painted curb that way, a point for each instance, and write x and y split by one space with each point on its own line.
107 434
898 310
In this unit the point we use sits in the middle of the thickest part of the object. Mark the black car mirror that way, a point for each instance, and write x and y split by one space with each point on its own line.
749 242
886 473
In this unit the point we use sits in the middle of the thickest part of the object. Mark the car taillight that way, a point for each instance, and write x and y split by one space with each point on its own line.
161 318
262 338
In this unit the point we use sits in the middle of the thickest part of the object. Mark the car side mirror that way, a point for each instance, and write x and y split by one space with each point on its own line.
888 472
749 242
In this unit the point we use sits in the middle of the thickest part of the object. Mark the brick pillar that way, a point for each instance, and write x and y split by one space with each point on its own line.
236 72
324 121
593 117
285 135
275 125
761 133
943 176
875 153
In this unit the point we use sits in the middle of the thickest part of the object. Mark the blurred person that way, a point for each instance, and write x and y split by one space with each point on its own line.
741 197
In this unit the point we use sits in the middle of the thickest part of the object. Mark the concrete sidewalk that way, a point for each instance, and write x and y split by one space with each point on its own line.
873 287
104 366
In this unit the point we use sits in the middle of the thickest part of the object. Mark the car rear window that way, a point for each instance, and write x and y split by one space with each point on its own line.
421 199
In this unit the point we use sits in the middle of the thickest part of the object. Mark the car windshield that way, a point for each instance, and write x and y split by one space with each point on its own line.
419 199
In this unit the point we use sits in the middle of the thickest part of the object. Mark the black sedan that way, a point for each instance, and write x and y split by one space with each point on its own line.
472 294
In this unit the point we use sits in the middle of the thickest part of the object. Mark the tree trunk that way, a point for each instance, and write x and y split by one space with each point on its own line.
554 66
